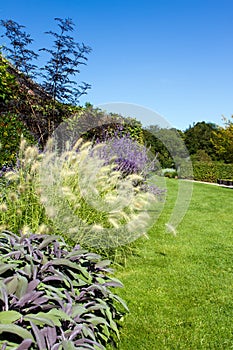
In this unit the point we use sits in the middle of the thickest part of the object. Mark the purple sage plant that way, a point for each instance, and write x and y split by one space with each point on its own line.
55 297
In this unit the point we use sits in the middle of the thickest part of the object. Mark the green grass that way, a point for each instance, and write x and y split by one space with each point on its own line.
180 289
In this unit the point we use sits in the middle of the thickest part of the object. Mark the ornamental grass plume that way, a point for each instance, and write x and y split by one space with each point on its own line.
97 203
20 193
3 207
78 194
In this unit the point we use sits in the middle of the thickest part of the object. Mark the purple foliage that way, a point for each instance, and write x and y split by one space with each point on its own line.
59 295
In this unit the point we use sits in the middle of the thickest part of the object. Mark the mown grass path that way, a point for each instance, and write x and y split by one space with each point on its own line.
180 289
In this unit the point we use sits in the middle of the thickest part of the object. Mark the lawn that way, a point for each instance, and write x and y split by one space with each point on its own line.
180 288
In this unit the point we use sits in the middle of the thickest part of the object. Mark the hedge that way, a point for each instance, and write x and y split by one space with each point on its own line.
211 171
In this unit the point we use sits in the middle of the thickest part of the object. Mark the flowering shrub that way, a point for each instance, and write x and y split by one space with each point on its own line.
54 297
130 156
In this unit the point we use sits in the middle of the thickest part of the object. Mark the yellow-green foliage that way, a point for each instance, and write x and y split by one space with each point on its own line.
8 83
223 141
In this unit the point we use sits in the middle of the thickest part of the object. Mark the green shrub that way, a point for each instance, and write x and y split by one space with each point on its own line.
54 297
93 123
201 156
11 129
170 173
8 84
11 126
211 171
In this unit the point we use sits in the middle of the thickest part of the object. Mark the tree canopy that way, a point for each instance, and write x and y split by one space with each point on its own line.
199 137
223 141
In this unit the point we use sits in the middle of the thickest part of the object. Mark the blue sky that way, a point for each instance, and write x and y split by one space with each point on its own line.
174 57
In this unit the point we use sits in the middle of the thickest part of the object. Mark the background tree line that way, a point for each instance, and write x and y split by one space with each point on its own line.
205 142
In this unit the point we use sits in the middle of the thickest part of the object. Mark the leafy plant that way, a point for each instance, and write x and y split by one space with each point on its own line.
18 51
8 86
11 125
222 141
199 137
65 58
156 145
96 124
201 156
168 144
54 297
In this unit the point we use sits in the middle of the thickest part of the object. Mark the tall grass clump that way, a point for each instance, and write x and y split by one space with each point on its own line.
95 200
20 206
85 193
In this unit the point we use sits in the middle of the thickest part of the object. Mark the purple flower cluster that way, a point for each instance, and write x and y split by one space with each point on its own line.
153 189
130 156
5 169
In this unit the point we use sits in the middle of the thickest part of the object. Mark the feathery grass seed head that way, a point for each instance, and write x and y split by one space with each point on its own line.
12 196
12 176
23 144
97 228
21 188
3 207
43 229
25 230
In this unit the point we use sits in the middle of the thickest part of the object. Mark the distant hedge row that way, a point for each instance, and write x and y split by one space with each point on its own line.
211 171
